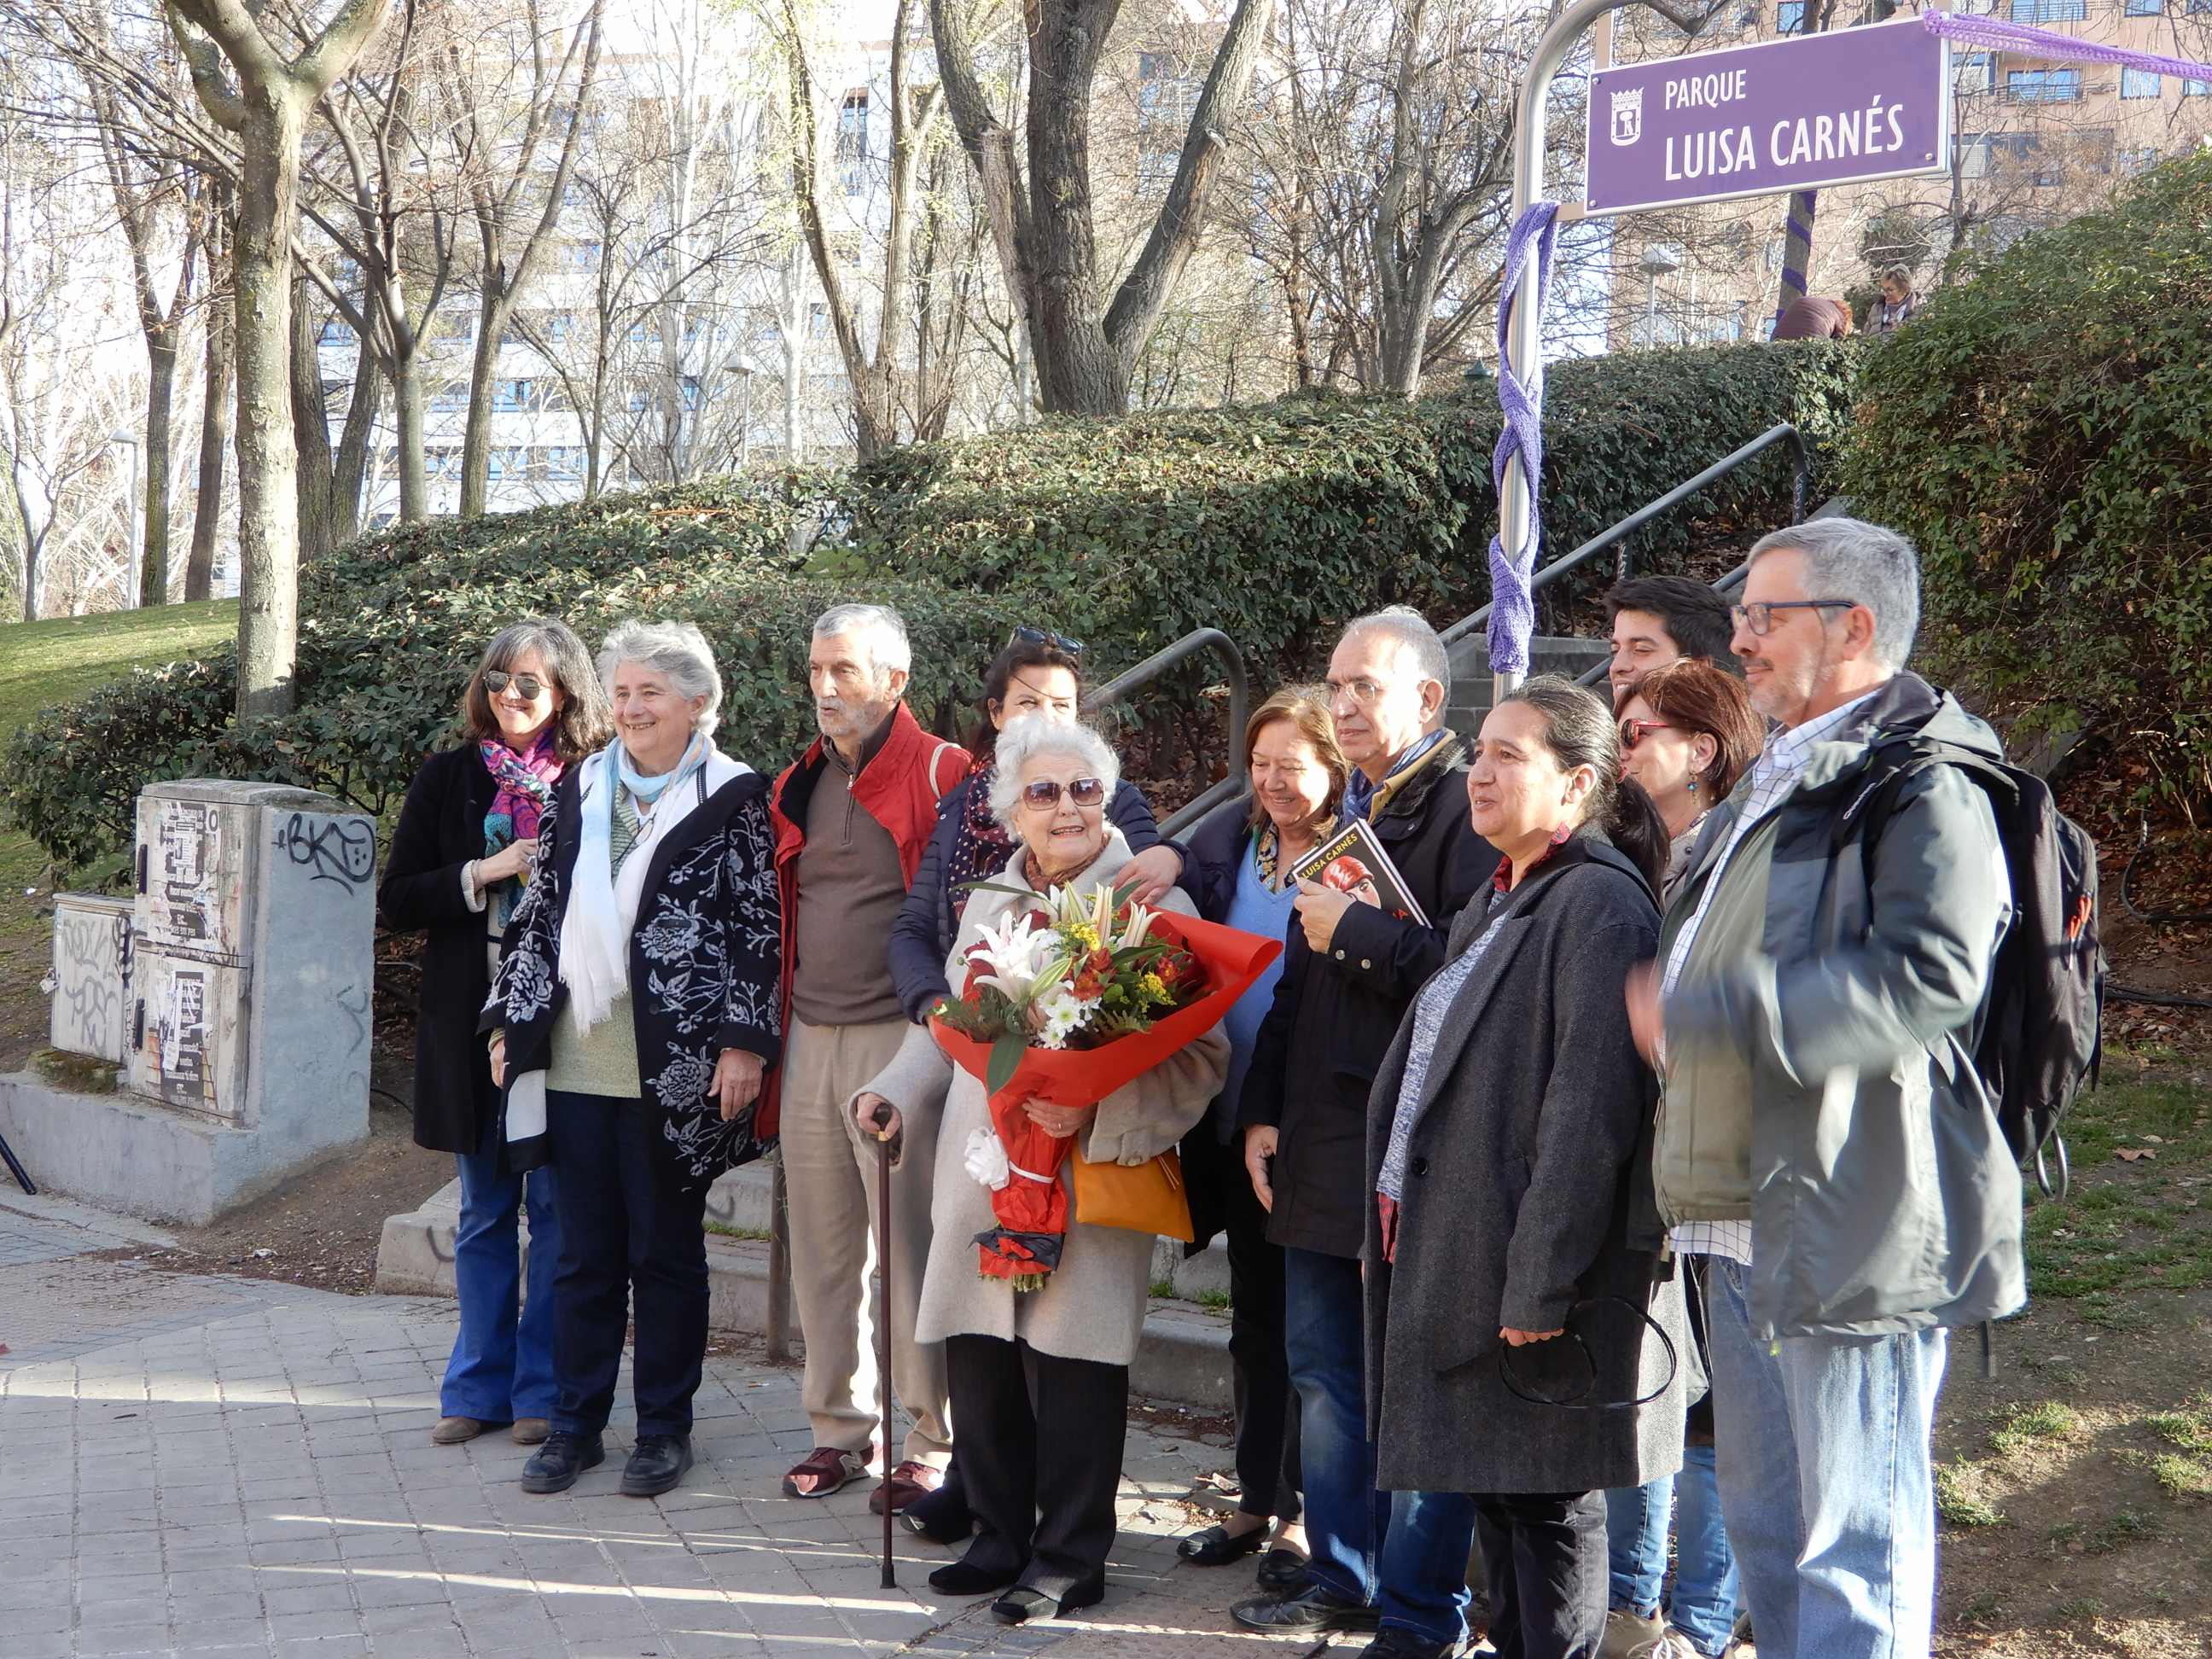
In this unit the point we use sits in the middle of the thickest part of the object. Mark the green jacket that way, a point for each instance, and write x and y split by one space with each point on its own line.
1883 1196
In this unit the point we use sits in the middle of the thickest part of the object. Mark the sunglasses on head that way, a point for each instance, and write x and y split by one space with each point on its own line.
525 686
1632 731
1044 637
1044 794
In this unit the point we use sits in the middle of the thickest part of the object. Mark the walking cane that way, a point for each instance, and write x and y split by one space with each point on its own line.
883 1339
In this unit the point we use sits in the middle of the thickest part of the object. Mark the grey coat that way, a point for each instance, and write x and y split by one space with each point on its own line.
1884 1198
1092 1306
1521 1201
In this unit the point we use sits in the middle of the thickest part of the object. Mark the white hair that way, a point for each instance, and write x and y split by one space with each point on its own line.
675 650
1869 565
1415 638
882 627
1025 739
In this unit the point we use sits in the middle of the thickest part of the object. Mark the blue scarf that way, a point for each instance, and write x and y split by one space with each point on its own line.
1359 792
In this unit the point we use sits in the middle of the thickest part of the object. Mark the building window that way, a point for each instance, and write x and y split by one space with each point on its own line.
1977 71
564 461
2052 86
2049 11
852 139
511 396
2195 88
2144 8
1789 17
450 397
690 386
2138 84
2141 159
584 256
2198 7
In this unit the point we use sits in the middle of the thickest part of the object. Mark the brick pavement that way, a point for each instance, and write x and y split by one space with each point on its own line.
214 1468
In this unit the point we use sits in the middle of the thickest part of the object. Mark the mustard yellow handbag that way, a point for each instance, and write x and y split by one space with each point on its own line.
1141 1198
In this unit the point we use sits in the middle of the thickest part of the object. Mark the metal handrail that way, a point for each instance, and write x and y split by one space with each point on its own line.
1240 702
1783 433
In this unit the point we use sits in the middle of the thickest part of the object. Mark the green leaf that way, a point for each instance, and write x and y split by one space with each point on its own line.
1005 1059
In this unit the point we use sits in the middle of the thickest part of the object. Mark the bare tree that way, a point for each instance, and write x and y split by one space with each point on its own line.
267 109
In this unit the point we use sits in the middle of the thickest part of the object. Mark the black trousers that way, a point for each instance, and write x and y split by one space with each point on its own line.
1545 1554
1267 1404
1040 1443
623 1238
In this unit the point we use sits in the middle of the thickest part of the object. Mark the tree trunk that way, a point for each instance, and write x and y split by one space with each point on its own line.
268 459
349 466
475 431
215 412
161 384
311 433
1080 371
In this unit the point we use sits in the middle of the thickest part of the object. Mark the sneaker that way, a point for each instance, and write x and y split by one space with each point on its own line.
1312 1608
1671 1644
656 1464
822 1471
1396 1642
1626 1631
555 1465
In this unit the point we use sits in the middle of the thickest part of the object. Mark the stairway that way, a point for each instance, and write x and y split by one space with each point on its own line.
1548 653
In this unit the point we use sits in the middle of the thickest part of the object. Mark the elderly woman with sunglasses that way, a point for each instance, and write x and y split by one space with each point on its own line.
460 857
1687 732
1040 1379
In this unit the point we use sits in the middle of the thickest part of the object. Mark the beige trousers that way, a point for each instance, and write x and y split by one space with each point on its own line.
830 1173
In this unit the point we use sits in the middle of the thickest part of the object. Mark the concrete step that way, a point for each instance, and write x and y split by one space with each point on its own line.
1184 1356
1548 653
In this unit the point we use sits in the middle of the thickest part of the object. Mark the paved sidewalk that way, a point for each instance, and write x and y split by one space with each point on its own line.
218 1467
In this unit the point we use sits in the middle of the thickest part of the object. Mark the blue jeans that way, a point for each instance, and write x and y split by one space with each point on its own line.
628 1245
1703 1604
503 1363
1406 1551
1827 1480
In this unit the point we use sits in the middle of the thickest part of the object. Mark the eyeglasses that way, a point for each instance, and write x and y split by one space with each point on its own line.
1759 618
1044 637
525 686
1632 731
1044 794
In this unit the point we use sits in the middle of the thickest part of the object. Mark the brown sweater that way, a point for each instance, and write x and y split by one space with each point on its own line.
850 889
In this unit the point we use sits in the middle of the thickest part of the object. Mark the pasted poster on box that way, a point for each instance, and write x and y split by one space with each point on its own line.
195 874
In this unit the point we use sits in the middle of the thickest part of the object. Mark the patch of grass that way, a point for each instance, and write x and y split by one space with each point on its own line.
2181 1477
2127 1227
2088 1607
2022 1424
2190 1428
725 1230
1162 1290
2125 1527
43 664
1212 1301
1984 1606
1956 1504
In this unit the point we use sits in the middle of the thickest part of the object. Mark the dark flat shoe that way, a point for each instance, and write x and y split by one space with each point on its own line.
1312 1608
1214 1548
958 1578
555 1465
1023 1605
1282 1572
656 1464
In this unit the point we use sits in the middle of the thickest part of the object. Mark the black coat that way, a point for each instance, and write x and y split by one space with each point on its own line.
1213 854
1527 1190
441 828
923 936
705 960
1334 1018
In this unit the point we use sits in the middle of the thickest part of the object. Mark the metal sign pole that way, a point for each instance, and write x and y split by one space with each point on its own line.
1524 338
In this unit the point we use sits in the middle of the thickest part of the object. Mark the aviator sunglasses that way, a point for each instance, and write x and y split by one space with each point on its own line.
1044 794
1045 637
525 686
1632 731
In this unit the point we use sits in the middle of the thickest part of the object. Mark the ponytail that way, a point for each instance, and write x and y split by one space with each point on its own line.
1580 732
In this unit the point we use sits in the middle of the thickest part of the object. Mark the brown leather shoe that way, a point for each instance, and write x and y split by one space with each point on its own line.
529 1430
825 1470
910 1481
452 1430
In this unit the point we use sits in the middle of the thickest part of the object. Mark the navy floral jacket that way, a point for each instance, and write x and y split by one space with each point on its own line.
704 964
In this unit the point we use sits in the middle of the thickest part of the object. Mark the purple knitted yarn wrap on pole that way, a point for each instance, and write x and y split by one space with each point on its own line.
1521 443
1995 34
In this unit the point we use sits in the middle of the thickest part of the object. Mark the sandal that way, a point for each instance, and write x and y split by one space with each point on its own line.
910 1482
1214 1548
829 1469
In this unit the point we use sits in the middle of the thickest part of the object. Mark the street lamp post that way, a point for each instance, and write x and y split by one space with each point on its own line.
131 552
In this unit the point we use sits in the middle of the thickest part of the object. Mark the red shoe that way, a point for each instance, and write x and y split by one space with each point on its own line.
909 1480
826 1469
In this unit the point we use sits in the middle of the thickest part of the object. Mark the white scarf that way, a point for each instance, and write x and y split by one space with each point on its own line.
602 910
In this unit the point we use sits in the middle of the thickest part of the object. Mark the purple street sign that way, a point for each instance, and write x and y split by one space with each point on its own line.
1797 115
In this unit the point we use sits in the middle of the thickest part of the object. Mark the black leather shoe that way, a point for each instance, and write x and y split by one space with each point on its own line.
960 1578
942 1517
1023 1605
1311 1608
555 1465
1396 1642
656 1463
1282 1572
1217 1546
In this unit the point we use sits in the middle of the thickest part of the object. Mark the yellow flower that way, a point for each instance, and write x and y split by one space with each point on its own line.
1080 932
1154 988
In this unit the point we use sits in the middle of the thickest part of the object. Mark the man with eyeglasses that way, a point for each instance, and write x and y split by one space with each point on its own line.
851 817
1349 971
1824 1139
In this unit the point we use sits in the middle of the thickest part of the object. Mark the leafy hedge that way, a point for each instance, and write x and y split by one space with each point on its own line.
2044 432
1274 524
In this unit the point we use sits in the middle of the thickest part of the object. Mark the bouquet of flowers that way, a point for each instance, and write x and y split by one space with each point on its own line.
1066 1003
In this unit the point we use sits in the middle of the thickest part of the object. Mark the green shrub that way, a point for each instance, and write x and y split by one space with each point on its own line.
2042 432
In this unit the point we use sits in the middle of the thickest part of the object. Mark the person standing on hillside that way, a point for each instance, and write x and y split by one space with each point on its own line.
851 817
1349 971
1824 1137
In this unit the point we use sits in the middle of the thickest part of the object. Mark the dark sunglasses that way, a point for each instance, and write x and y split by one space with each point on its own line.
1044 794
1042 636
1632 731
525 686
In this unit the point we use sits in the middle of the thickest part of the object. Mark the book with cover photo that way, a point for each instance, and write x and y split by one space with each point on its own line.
1352 861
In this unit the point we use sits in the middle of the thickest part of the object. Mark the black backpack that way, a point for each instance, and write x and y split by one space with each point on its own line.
2041 1027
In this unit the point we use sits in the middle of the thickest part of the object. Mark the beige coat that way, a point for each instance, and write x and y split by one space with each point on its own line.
1093 1306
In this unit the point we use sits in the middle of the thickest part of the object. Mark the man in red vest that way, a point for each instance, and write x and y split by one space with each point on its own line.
852 819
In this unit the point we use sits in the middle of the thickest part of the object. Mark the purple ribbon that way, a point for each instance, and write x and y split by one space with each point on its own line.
1993 35
1521 443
